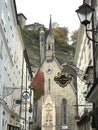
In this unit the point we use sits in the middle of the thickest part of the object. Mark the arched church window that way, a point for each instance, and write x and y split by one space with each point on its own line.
63 111
49 85
48 113
49 47
35 112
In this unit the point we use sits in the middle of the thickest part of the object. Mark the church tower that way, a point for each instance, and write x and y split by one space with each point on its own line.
50 44
42 45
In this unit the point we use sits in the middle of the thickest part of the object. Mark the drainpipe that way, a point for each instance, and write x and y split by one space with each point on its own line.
21 85
26 101
94 63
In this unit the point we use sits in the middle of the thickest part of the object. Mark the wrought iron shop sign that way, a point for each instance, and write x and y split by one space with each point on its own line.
63 79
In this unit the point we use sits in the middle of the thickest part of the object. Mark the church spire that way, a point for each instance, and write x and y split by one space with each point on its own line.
50 26
50 44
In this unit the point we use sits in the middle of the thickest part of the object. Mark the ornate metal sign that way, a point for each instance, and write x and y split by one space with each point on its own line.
63 78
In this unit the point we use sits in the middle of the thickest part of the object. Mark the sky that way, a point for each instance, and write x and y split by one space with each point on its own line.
62 12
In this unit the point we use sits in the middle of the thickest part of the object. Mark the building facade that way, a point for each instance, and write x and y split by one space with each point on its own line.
83 60
13 74
35 26
92 91
86 60
55 110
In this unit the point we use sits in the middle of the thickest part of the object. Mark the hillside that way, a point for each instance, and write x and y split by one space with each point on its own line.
63 51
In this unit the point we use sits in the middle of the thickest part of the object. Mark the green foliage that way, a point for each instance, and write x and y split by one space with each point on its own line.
38 85
30 36
31 40
63 50
74 37
61 35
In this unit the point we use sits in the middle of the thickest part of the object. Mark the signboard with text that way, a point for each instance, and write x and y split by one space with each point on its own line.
64 127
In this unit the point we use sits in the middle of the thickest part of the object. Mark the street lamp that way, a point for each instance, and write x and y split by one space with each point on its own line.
85 13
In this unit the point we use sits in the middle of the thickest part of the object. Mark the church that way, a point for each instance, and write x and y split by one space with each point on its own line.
55 110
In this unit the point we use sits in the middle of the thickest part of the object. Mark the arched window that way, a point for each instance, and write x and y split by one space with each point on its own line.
35 112
63 111
48 111
49 47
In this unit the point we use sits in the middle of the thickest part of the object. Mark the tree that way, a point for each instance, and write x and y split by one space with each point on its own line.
74 37
30 37
61 35
63 51
38 85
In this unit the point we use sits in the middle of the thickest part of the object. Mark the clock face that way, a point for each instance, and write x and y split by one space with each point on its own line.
49 70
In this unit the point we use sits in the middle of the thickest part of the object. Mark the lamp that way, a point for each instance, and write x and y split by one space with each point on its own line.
85 13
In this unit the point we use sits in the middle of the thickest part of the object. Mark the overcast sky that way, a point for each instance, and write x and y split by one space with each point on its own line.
62 11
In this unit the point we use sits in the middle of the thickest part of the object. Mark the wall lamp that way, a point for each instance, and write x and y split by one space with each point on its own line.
85 13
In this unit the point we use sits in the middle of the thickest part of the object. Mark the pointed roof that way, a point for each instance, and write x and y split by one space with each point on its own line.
49 100
50 26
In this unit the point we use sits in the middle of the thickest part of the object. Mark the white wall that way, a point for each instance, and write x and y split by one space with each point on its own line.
11 55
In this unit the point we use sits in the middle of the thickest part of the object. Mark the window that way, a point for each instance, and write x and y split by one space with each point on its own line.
49 84
10 27
63 106
35 112
8 16
48 113
29 118
3 18
1 47
6 3
49 47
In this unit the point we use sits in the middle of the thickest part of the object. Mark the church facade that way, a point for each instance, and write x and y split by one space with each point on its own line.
56 108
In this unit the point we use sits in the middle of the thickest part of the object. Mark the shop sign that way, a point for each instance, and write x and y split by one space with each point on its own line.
64 127
63 78
25 94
